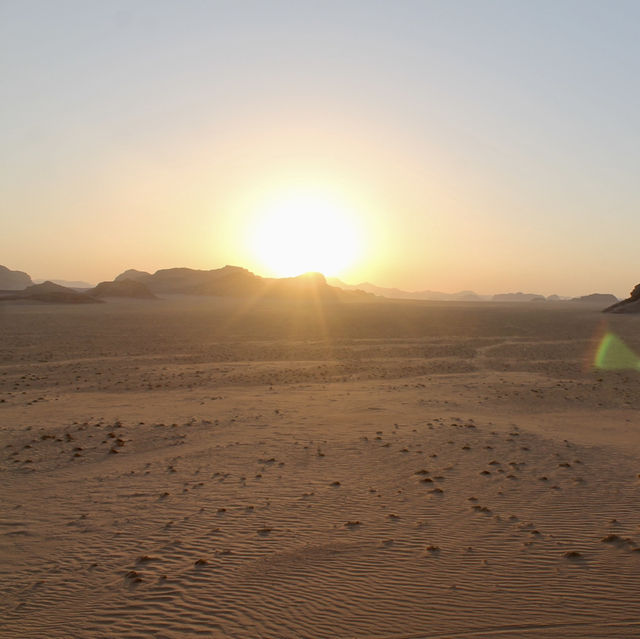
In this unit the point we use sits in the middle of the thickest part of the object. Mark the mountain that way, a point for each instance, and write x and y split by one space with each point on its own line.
132 274
396 293
518 297
234 281
193 281
50 292
122 288
629 305
13 280
468 296
66 283
602 299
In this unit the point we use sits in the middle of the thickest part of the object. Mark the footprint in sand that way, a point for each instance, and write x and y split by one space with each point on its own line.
133 577
617 540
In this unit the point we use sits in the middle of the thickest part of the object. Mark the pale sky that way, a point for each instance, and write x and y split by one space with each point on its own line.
484 145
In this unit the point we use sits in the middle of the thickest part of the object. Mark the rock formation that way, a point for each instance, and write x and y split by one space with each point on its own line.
54 293
122 288
234 281
132 274
518 297
602 299
396 293
13 280
630 305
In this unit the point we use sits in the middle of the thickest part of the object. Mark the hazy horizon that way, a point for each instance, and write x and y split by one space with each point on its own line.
417 145
79 280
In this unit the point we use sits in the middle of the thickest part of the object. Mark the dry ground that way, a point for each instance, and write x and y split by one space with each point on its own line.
202 467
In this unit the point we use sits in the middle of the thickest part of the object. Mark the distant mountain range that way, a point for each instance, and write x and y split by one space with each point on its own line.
396 293
50 292
234 281
122 288
68 283
519 297
229 281
603 299
18 280
470 296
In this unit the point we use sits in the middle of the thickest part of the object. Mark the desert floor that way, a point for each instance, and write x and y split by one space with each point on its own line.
202 467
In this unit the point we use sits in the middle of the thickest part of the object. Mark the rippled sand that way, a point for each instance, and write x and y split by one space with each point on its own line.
201 467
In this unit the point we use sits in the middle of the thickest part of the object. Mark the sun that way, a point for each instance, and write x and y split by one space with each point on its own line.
299 232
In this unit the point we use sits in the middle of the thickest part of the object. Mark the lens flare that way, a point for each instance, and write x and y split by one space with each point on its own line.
613 354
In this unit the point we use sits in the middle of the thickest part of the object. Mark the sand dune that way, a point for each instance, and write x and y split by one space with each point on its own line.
200 468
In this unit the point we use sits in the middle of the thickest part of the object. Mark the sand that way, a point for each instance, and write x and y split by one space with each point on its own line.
204 467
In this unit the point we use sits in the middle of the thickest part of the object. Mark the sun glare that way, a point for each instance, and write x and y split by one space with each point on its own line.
301 232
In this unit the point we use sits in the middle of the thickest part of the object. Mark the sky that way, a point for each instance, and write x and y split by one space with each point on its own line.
482 145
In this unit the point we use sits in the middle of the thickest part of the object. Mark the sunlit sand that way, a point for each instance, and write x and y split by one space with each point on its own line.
189 467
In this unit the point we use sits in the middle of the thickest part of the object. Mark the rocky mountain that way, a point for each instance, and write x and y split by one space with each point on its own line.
68 283
602 299
629 305
122 288
234 281
469 296
396 293
50 292
518 297
132 274
13 280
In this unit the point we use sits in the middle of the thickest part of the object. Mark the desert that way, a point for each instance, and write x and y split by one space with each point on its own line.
319 320
205 466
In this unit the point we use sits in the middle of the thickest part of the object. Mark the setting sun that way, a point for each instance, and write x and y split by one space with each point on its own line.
300 232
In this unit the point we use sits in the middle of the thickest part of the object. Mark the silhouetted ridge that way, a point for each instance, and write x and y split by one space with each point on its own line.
603 299
518 297
235 281
122 288
13 280
132 274
54 293
630 305
396 293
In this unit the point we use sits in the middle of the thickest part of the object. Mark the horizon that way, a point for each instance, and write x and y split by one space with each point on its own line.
39 279
421 146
